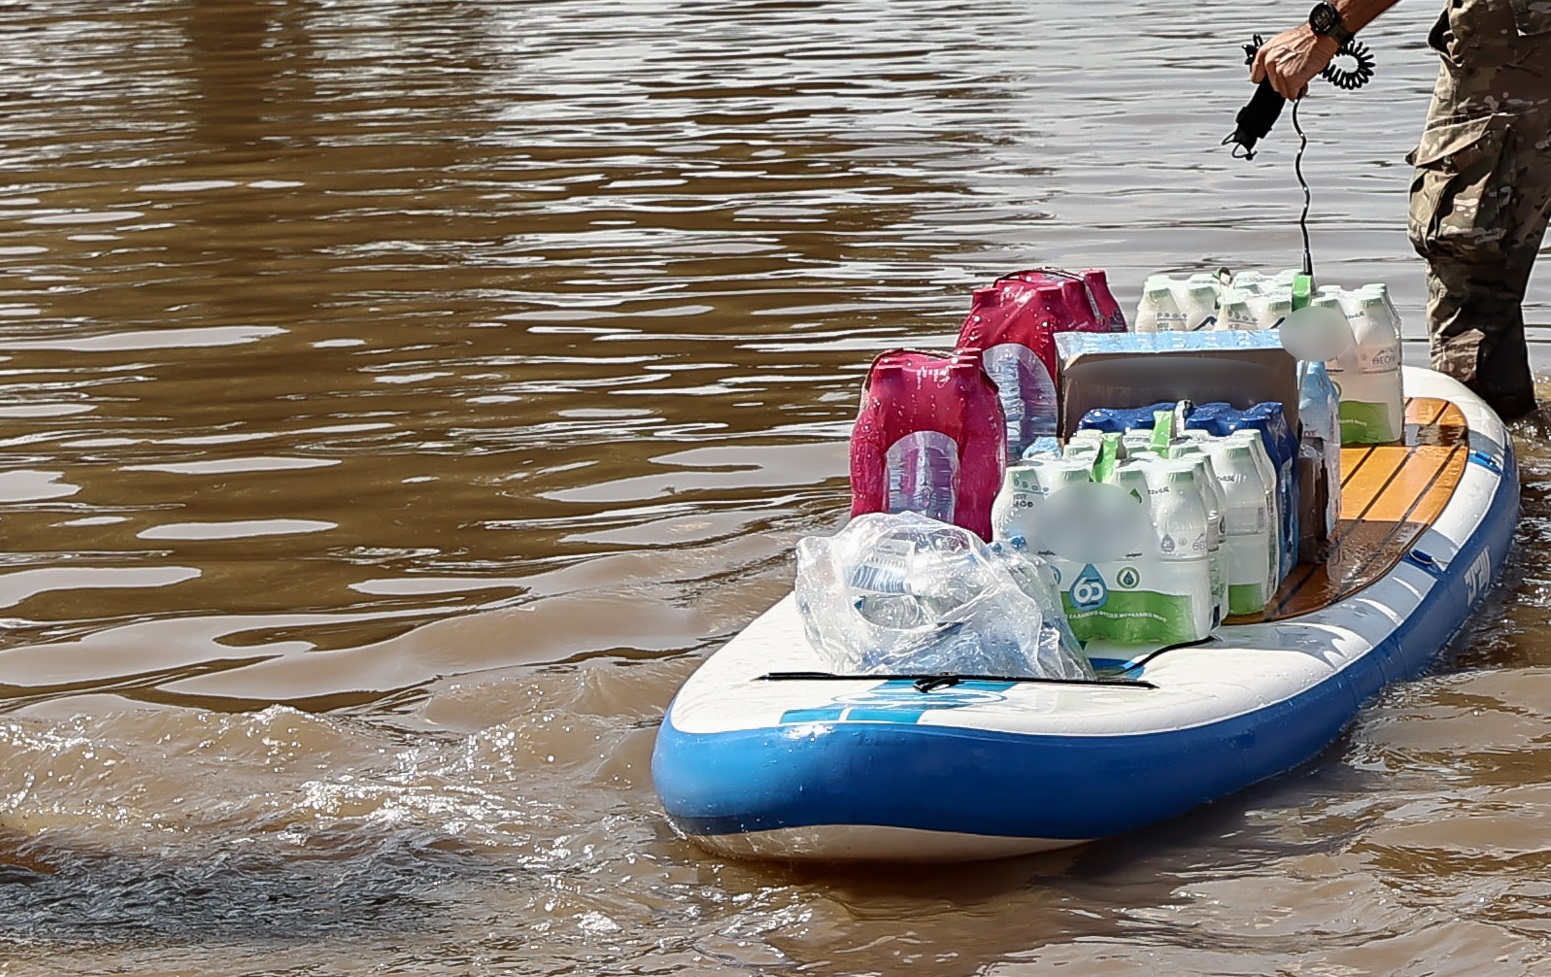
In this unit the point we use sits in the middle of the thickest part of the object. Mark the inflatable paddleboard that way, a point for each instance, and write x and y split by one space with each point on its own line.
763 754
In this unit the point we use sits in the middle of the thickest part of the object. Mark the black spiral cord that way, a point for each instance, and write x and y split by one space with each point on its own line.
1255 120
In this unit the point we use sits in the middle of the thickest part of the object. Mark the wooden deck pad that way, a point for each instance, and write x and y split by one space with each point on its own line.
1390 494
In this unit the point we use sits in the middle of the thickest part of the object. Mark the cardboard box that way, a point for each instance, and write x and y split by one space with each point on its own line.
1126 370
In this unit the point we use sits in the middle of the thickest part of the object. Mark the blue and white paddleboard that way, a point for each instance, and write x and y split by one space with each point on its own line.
870 769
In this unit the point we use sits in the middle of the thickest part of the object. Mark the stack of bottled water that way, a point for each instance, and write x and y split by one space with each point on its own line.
1211 504
1368 377
1279 447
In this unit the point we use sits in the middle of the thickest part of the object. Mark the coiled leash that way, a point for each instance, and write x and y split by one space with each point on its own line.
1255 119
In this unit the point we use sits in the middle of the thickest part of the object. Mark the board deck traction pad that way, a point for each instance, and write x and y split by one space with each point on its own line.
1390 495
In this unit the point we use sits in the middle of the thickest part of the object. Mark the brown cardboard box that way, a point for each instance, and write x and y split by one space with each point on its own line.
1125 370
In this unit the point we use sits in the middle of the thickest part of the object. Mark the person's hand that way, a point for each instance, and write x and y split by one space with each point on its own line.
1291 59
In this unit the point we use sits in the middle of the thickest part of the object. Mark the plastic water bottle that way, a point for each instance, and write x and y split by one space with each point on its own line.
1250 546
1026 390
1233 311
1110 316
1372 402
929 438
1157 312
1200 305
1193 453
923 469
1013 512
1256 446
1320 411
1178 577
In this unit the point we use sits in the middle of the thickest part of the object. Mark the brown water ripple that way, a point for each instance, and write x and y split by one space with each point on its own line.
398 401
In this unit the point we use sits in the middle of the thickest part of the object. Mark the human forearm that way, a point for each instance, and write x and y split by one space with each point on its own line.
1357 14
1292 58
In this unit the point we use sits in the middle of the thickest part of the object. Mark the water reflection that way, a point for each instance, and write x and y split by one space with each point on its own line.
457 375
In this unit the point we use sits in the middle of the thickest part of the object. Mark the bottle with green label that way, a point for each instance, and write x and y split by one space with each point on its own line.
1372 402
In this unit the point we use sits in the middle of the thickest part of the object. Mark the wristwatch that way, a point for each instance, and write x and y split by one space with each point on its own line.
1326 22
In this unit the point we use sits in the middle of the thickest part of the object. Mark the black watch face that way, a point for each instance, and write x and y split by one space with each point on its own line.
1322 18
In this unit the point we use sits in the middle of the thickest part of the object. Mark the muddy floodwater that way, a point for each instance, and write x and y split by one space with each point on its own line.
399 400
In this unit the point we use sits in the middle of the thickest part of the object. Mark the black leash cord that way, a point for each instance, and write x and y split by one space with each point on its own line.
1355 77
1255 120
1308 195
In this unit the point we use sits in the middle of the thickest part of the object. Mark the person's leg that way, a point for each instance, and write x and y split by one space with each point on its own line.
1481 197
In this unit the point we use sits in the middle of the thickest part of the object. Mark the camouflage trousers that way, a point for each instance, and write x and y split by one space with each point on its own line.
1481 194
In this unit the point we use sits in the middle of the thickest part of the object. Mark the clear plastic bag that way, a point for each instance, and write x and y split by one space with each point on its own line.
899 593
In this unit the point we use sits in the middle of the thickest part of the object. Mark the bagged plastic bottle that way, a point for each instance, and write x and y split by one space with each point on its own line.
930 438
1037 580
1319 410
1372 402
1082 316
1015 334
1250 546
900 592
1111 319
1086 304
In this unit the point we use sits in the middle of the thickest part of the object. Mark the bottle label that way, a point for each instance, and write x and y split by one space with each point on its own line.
1143 602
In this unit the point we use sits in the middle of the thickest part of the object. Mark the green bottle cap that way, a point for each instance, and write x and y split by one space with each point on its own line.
1302 290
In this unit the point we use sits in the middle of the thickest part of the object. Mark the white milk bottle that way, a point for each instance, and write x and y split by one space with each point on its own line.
1250 546
1012 514
1253 282
1175 584
1233 311
1200 303
1054 475
1372 403
1252 440
1275 307
1146 318
1194 453
1170 316
1128 599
